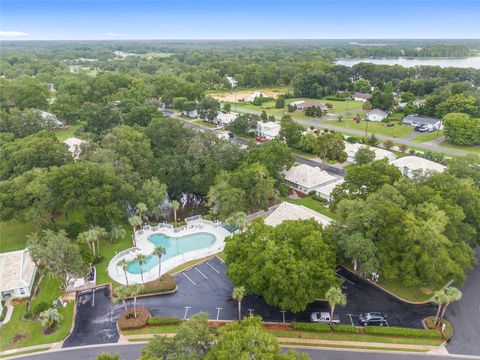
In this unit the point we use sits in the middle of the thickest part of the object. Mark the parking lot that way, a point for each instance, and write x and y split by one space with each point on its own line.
206 288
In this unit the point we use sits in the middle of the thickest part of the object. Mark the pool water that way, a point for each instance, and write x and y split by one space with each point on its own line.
174 246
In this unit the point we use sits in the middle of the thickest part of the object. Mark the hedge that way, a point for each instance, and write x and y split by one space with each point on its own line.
160 321
406 332
324 327
335 98
164 284
127 321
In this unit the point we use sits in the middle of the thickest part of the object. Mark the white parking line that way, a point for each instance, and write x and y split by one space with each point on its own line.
345 278
93 301
189 279
206 262
218 312
351 320
251 311
386 322
186 311
200 272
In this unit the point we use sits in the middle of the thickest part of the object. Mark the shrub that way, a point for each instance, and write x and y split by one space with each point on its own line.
4 311
127 320
160 321
40 307
311 327
164 284
324 327
335 98
73 229
345 329
406 332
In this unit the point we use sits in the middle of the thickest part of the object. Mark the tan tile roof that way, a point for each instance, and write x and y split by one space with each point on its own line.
288 211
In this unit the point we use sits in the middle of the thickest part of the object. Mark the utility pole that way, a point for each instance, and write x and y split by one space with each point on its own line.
366 127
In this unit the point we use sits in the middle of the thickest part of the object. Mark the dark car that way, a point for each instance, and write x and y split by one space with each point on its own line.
389 124
230 135
372 318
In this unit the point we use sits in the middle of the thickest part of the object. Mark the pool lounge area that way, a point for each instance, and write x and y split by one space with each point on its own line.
198 239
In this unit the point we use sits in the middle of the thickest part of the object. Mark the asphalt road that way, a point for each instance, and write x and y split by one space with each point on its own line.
464 315
132 352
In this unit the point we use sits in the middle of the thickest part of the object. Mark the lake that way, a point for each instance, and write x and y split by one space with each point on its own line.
473 62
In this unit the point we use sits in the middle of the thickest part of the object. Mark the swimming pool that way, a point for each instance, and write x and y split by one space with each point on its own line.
174 246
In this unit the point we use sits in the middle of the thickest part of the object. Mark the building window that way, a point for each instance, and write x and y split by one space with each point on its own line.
22 291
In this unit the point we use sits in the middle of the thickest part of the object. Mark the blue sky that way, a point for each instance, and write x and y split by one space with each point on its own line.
110 19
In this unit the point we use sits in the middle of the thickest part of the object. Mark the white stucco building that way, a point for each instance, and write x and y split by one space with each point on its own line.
325 191
268 130
376 115
414 165
74 146
289 211
352 149
225 119
17 273
305 178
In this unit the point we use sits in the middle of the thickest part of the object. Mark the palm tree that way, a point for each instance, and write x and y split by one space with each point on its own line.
335 296
98 233
452 294
141 209
50 317
241 220
134 291
121 294
238 294
88 237
124 264
141 259
159 251
231 221
439 298
134 222
117 232
175 206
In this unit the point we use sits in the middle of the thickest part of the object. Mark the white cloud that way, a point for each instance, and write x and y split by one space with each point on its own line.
13 33
116 34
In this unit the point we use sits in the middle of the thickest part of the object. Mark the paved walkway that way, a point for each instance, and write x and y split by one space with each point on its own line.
9 313
56 345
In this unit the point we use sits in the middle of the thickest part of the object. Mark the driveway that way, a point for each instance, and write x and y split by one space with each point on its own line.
464 315
365 297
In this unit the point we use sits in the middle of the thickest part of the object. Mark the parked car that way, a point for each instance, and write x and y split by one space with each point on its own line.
372 318
389 124
323 318
421 128
260 139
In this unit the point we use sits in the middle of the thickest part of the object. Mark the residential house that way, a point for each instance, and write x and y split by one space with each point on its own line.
302 105
233 83
225 119
289 211
325 191
352 149
75 146
306 179
268 130
419 102
363 97
17 272
376 115
411 166
415 120
51 119
191 114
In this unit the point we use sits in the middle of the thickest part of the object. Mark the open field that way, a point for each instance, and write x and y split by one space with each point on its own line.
232 96
427 137
379 128
469 149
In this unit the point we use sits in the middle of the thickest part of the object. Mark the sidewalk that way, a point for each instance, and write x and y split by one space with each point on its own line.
8 315
56 345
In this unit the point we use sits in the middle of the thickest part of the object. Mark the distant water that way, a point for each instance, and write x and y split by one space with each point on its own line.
469 62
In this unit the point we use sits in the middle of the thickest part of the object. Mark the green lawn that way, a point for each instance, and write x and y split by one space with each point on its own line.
313 204
167 329
63 135
25 352
379 128
340 107
426 137
32 330
475 149
406 293
13 235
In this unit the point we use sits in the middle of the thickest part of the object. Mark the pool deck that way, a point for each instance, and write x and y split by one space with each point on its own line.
146 247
